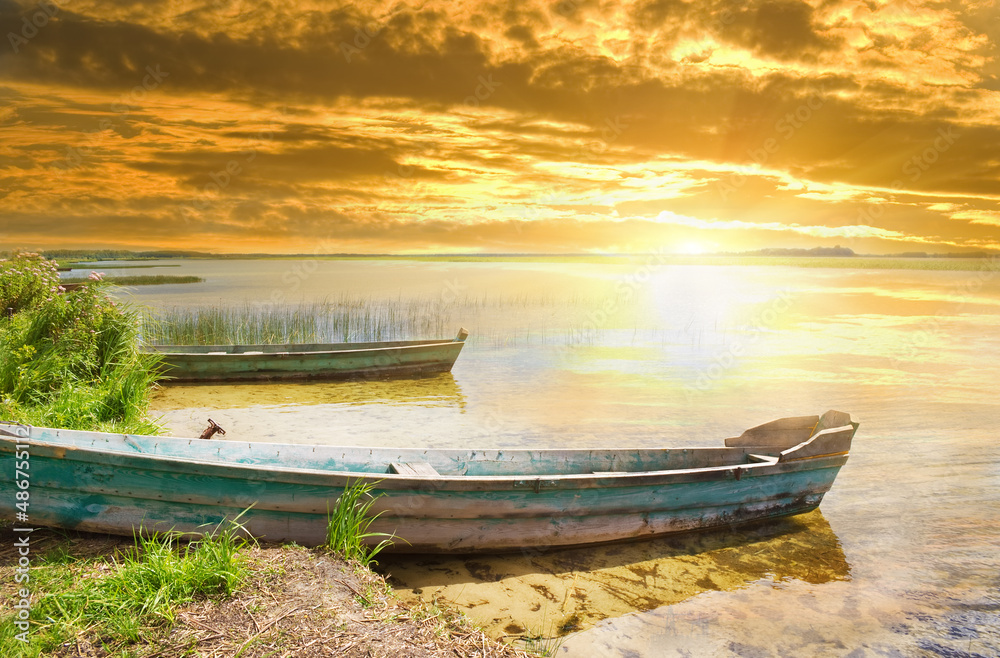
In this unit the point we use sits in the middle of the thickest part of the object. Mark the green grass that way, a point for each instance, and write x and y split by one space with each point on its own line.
348 523
134 597
537 642
70 359
540 645
140 279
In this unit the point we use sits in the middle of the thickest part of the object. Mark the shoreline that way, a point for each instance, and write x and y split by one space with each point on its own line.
296 601
930 263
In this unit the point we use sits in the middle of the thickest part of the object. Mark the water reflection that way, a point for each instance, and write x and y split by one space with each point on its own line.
304 412
565 591
439 389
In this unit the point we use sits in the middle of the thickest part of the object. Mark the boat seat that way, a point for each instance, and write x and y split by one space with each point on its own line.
412 468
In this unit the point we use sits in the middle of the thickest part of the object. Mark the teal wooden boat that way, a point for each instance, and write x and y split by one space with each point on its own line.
199 363
430 500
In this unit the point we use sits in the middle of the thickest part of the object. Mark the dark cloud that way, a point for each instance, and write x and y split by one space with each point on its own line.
776 28
460 113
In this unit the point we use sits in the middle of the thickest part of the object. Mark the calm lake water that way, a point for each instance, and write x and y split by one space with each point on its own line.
903 558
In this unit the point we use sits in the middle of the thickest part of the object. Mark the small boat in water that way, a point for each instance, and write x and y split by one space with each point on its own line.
199 363
430 500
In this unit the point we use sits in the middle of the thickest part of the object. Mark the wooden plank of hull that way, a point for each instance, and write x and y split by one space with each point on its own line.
430 518
482 500
185 482
424 535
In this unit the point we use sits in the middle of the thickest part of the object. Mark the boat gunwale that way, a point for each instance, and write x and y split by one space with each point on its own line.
167 351
545 481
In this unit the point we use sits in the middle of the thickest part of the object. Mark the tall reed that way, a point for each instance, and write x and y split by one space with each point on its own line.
350 318
348 523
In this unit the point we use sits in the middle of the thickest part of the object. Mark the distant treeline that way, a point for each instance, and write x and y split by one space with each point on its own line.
119 254
124 254
924 254
815 251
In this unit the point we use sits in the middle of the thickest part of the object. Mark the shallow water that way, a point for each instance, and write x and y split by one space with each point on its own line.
904 556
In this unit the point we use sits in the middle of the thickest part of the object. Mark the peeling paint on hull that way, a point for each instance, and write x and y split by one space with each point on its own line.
479 501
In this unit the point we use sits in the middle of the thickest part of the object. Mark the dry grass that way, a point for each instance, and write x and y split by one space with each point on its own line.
297 602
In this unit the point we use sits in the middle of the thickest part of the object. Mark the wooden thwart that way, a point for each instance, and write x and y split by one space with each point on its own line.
412 468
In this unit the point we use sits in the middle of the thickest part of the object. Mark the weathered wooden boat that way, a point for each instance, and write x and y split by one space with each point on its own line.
197 363
431 500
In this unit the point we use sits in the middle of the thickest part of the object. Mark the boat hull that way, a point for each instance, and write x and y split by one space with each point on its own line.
483 501
332 361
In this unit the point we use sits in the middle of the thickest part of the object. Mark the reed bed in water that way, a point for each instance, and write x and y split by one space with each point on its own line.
251 324
352 319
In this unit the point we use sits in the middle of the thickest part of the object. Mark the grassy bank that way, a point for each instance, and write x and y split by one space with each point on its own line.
69 358
287 601
132 596
97 595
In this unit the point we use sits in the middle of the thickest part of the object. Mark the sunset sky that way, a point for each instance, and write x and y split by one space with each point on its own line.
572 126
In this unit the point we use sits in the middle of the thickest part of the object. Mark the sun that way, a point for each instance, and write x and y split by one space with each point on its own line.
691 248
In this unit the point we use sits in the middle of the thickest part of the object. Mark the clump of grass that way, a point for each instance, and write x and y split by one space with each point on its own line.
539 644
348 523
69 359
141 593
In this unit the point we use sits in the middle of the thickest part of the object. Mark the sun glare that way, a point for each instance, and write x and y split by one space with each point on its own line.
691 248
